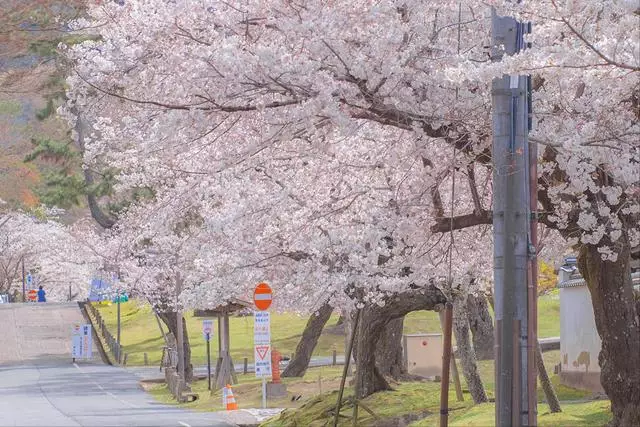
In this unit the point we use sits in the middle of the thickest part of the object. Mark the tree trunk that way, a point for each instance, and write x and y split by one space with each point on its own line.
170 320
549 392
371 327
389 357
312 331
466 353
617 321
481 325
369 379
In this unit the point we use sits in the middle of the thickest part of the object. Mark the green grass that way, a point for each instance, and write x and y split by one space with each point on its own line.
10 108
578 414
140 332
248 391
418 403
548 318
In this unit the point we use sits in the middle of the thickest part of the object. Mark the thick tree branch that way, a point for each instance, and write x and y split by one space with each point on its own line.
444 224
471 177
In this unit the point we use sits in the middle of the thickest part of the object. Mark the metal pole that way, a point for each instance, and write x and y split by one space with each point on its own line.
446 365
180 332
24 283
208 362
264 393
511 213
118 330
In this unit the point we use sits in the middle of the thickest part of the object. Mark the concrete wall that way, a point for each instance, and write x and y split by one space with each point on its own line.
579 340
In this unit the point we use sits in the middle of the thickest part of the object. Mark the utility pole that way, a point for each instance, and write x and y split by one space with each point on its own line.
515 328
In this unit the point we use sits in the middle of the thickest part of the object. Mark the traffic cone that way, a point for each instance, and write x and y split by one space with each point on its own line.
231 400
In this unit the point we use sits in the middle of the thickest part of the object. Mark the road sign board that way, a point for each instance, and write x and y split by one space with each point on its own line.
81 341
29 279
262 296
207 328
262 357
261 328
262 343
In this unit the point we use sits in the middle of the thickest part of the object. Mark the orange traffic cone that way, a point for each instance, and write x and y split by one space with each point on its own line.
231 400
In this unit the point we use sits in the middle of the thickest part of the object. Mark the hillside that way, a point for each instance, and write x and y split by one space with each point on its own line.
28 79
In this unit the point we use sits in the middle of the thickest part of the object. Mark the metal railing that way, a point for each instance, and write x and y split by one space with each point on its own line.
115 349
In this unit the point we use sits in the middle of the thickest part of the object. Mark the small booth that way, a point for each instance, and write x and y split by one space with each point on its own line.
423 354
225 372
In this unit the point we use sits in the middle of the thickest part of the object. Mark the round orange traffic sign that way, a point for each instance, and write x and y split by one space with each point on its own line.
262 296
32 295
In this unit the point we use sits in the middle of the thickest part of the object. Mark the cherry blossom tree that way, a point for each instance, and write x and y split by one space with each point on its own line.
49 250
208 89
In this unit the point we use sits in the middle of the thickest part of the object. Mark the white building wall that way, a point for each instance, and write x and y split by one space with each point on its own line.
579 340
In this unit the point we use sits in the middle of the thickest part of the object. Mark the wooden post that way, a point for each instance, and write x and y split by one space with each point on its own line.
245 368
454 366
334 361
146 359
446 365
124 360
346 368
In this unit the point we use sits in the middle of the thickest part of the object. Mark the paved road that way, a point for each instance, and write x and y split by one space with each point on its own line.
39 386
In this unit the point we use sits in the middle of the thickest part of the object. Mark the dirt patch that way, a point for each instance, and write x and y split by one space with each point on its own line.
402 420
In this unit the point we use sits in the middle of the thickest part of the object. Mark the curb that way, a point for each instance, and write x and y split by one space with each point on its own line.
248 417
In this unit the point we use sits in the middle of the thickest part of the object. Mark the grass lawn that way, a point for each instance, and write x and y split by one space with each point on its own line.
415 403
418 404
248 392
140 332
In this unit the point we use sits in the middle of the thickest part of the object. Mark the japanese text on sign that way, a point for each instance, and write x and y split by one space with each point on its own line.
262 328
81 342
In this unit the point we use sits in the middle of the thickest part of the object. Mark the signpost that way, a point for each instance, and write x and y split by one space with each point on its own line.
262 296
81 342
207 328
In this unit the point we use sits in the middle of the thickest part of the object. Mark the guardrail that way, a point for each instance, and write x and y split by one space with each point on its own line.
115 349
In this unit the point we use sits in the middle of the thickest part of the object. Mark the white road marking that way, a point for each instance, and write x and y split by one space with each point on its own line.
129 404
183 424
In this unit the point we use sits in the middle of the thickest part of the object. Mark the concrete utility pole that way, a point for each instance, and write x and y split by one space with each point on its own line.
511 222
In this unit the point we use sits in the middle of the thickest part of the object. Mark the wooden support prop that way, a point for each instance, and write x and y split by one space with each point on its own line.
334 360
446 365
124 359
146 359
245 367
346 367
454 366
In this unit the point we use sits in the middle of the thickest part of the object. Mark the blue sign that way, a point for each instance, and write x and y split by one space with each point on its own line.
100 290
